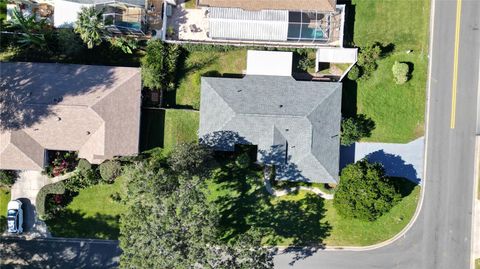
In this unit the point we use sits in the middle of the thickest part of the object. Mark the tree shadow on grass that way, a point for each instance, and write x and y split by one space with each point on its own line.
73 223
245 204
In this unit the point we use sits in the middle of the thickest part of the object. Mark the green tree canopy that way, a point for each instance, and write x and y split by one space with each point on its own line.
364 192
159 65
190 159
355 128
169 223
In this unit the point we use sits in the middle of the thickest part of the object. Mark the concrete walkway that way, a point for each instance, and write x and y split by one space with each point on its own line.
25 189
399 160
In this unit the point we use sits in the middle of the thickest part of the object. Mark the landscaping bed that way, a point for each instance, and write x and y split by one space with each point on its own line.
92 213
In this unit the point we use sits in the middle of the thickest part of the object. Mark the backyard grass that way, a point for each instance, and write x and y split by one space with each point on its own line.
4 199
398 110
91 214
477 264
207 63
301 218
181 126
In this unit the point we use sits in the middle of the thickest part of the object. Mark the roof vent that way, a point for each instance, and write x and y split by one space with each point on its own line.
88 132
239 90
280 106
59 119
286 130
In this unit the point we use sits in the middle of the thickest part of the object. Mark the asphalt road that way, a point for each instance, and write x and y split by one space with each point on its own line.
58 253
440 237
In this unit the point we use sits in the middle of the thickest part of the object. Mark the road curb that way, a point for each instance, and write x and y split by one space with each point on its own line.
474 231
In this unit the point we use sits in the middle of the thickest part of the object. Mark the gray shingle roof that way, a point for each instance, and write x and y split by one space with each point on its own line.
295 124
94 110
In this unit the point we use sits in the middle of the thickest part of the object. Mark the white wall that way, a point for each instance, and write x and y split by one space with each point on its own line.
66 13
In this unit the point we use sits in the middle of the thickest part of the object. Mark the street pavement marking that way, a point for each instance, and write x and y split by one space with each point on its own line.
455 63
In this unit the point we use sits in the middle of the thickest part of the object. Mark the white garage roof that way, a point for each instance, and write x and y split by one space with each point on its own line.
235 23
337 55
269 63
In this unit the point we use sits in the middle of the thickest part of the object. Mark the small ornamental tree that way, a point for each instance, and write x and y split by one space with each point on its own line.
364 191
110 170
355 128
400 72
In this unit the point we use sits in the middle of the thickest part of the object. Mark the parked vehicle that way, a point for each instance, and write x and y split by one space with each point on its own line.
15 217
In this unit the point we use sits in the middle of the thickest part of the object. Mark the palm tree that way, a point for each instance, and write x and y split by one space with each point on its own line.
32 31
90 26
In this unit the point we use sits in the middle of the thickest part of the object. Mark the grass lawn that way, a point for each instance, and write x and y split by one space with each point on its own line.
398 110
300 218
206 63
181 126
91 214
4 199
477 264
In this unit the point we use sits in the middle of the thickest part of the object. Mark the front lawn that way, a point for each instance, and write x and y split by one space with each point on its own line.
398 110
301 218
4 199
91 214
206 63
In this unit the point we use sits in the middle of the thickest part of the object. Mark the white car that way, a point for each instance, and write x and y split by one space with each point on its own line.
15 217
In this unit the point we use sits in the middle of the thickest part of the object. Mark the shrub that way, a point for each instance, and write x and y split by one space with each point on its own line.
305 63
355 128
243 161
367 59
400 72
83 166
354 73
7 178
55 188
364 192
81 180
110 170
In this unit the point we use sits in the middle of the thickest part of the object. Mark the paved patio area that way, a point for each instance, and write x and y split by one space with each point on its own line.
399 160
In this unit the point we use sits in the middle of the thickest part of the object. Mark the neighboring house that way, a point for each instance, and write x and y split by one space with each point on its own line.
94 110
121 17
294 124
270 22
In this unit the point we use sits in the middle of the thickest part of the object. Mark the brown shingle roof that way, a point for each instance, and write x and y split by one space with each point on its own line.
94 110
293 5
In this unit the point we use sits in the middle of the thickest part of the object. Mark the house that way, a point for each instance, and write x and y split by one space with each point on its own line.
120 17
267 22
94 110
295 125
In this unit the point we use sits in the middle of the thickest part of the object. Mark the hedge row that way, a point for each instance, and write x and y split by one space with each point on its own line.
55 188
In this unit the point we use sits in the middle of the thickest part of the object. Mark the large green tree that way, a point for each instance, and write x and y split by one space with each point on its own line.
169 223
190 159
160 65
364 192
90 26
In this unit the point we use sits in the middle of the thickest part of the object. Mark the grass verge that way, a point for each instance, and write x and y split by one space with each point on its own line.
398 110
91 214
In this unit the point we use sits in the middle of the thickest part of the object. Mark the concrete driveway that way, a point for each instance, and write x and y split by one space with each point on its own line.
399 160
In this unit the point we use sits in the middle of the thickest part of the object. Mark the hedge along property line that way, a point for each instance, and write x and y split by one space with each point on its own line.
55 188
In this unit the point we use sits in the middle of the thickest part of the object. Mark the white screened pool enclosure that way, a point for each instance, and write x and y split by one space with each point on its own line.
229 24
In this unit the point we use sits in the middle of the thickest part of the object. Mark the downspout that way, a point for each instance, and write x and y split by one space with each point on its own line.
164 25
